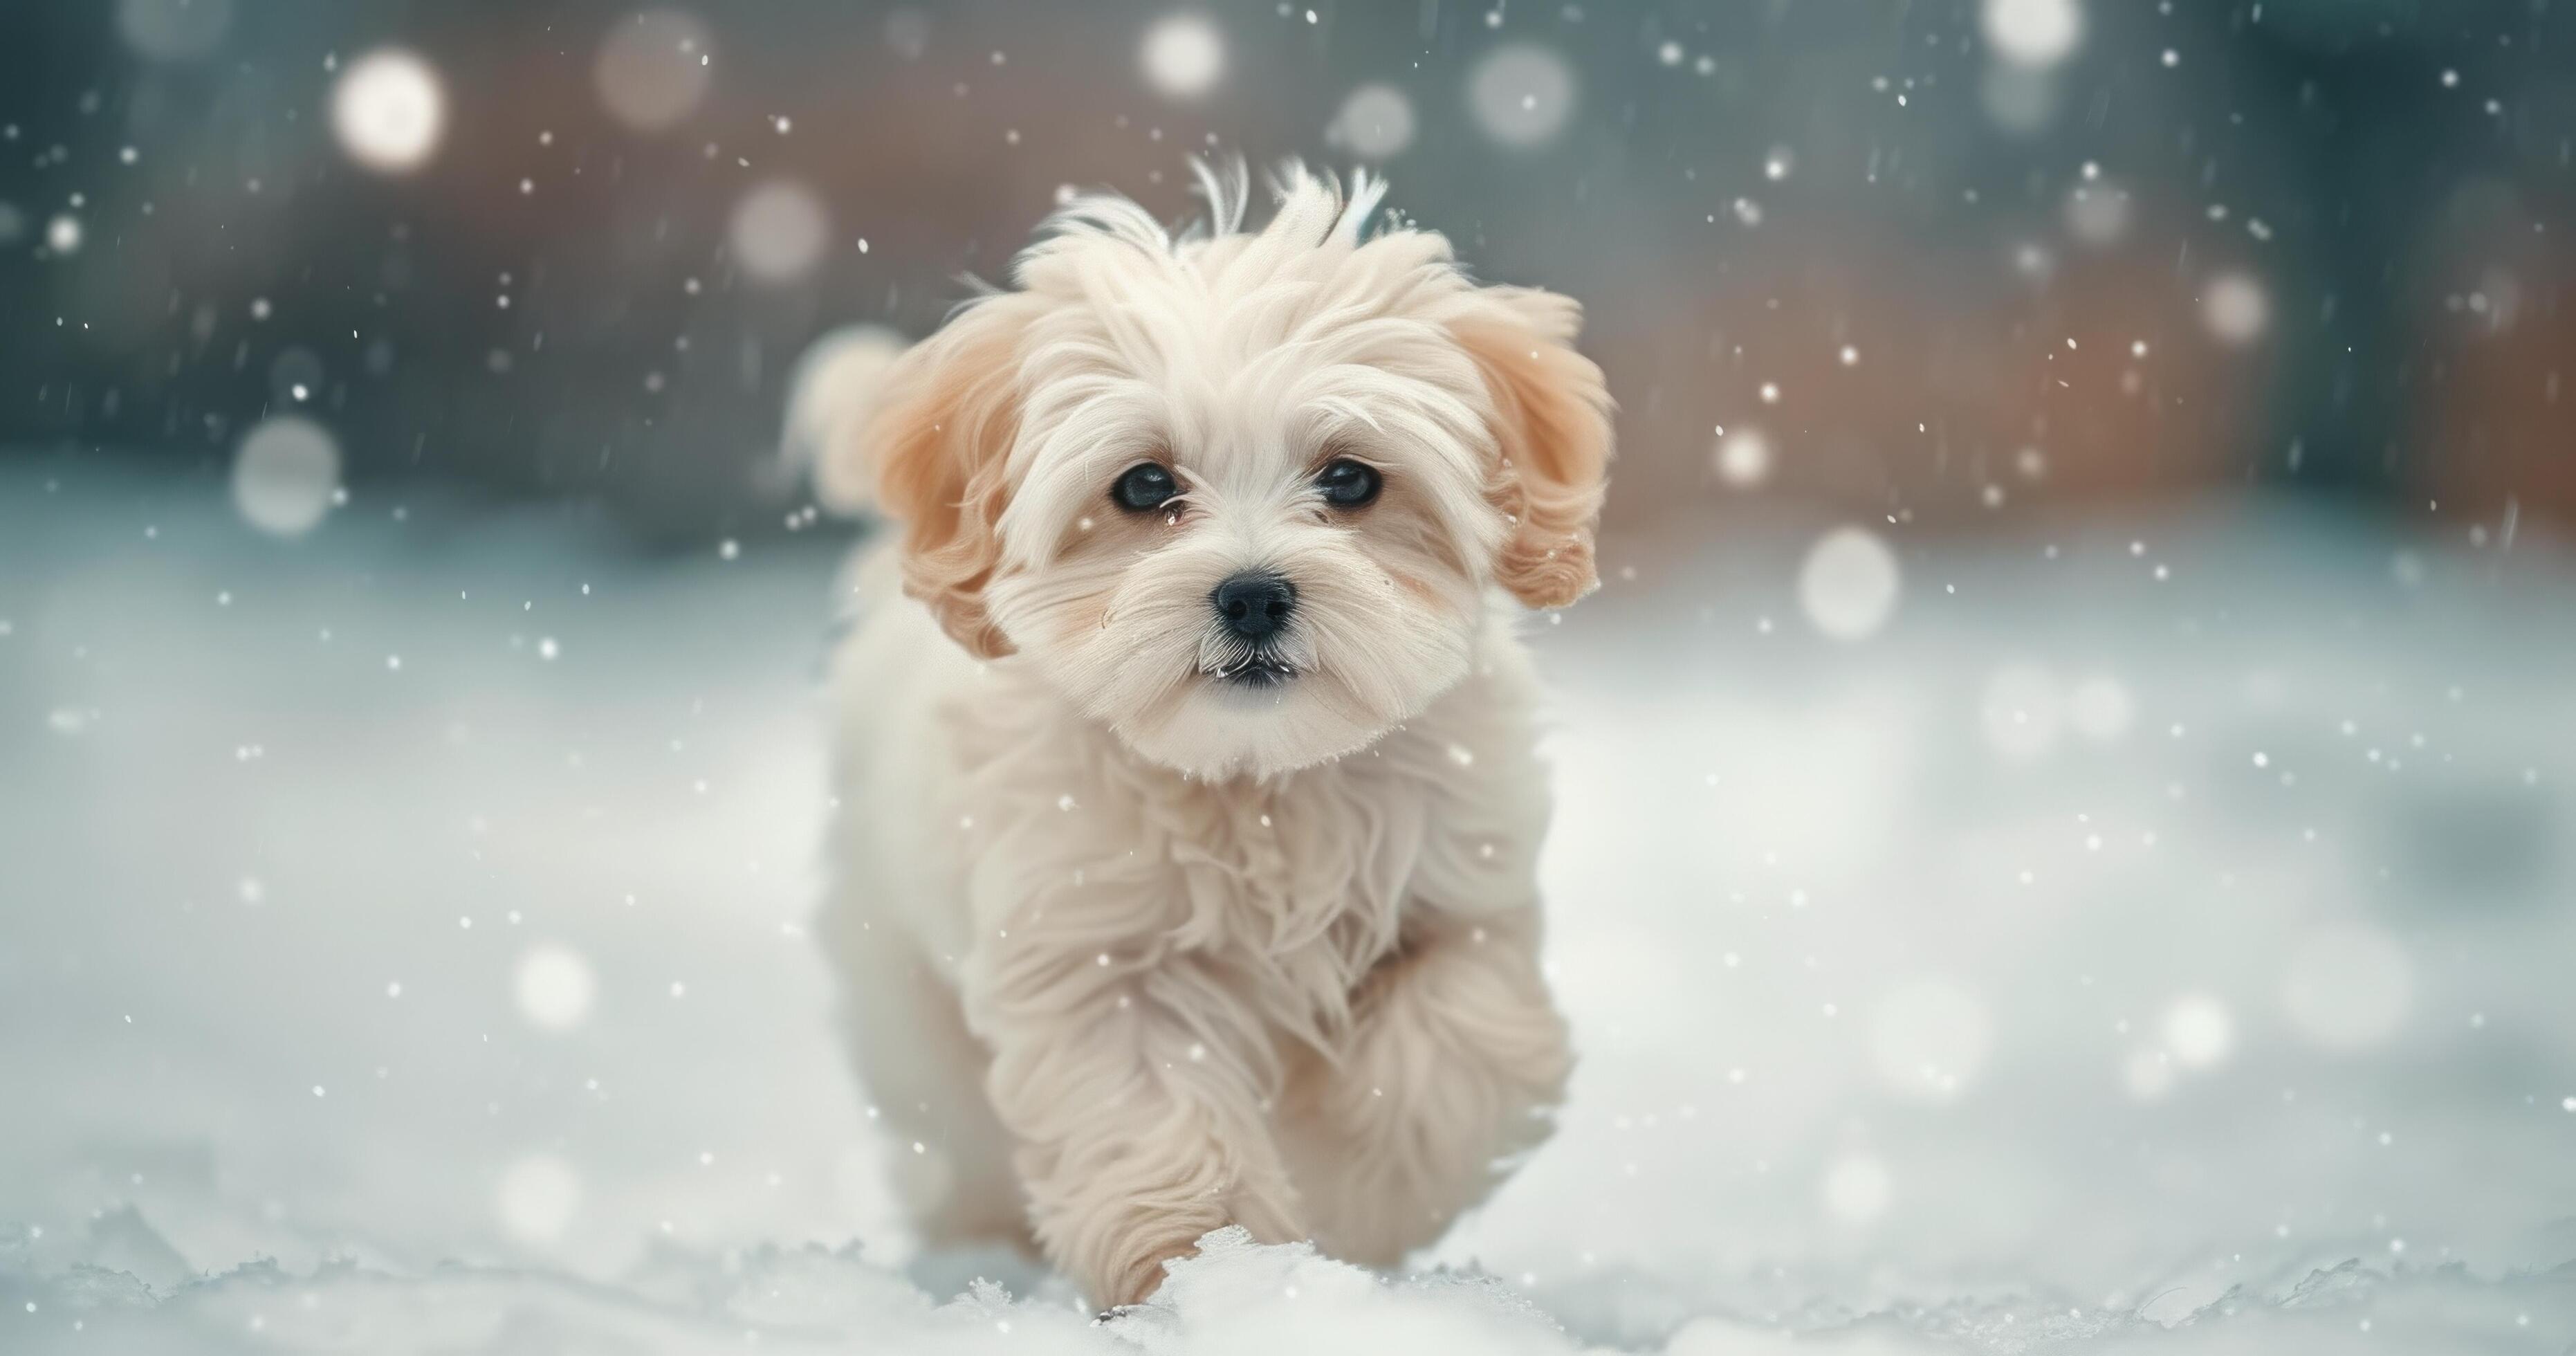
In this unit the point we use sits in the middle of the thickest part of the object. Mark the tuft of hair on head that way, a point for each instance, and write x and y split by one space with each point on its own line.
1313 208
1226 186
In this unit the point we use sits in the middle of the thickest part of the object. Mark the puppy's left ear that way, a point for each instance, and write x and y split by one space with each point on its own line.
1552 426
937 443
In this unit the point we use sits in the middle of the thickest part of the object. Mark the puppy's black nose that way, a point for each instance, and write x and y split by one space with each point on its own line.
1254 604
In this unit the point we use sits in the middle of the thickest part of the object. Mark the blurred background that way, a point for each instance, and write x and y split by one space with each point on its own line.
2062 843
1931 256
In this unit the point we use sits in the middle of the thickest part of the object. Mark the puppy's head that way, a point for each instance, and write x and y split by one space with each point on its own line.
1239 495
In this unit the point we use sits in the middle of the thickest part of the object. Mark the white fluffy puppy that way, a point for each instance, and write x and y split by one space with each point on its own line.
1188 818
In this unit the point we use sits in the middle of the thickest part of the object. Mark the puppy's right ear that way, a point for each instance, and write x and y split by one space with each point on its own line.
935 444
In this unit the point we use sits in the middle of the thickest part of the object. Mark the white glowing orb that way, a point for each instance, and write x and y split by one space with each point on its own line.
1184 55
173 30
2021 711
2198 1031
63 234
1930 1038
2348 987
387 111
2032 32
2235 308
1376 122
537 1198
654 68
2100 709
285 475
555 987
1849 583
1521 94
1742 458
2098 213
779 231
1858 1188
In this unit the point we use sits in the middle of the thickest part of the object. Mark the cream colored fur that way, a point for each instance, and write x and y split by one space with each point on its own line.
1132 953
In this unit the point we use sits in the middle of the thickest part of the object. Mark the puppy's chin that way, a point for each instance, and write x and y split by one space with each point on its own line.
1257 725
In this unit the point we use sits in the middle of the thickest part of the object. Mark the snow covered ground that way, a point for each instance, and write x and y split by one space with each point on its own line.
2161 948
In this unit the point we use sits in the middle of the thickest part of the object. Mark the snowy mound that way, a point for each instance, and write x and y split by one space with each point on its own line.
2147 938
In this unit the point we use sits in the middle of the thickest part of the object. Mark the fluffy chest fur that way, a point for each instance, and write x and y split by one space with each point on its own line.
1291 887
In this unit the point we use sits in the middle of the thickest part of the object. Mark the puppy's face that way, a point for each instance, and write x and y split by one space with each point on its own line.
1240 497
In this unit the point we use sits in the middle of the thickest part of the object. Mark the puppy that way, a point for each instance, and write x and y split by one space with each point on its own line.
1188 811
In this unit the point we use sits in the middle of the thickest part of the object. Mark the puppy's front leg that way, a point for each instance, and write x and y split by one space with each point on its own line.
1136 1089
1455 1061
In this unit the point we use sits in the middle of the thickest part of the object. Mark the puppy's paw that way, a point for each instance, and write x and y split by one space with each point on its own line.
1137 1282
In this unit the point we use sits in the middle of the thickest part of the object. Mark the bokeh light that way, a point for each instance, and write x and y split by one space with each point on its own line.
1742 458
388 111
2032 32
654 68
1375 122
2198 1031
1521 95
63 234
286 475
1184 55
779 231
1849 584
555 987
2235 308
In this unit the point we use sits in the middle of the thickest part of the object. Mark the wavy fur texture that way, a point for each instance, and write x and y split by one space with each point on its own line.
1135 951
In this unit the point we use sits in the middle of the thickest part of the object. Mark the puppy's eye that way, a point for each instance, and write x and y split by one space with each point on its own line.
1145 486
1347 483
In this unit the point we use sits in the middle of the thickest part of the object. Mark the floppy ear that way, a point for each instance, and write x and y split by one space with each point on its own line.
1552 425
937 440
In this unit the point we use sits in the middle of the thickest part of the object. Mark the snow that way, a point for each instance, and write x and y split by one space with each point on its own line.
1895 1038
